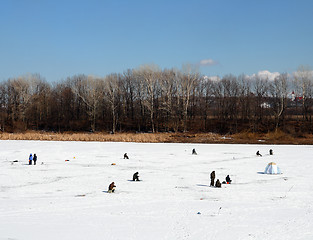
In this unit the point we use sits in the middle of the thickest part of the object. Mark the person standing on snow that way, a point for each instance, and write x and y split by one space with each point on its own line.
126 156
30 159
35 159
212 178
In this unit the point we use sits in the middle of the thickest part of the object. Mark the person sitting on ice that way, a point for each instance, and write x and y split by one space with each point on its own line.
125 156
136 177
30 159
218 183
271 152
228 180
111 188
258 153
194 152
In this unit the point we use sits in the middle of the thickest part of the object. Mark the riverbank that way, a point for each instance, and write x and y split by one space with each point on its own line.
240 138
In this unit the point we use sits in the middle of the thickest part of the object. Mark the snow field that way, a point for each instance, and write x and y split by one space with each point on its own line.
68 200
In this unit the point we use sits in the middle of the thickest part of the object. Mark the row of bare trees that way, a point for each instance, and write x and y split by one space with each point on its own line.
150 99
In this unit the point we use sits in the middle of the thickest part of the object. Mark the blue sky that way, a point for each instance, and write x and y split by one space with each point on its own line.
58 39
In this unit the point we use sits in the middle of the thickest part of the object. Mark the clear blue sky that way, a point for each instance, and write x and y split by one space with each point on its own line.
58 38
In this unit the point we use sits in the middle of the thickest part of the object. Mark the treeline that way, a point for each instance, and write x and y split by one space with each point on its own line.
153 100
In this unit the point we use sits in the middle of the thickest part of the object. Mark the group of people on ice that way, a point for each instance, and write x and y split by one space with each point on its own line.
212 176
32 159
218 184
260 155
112 186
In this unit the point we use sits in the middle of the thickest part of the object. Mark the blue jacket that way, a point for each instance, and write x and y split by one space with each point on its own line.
30 157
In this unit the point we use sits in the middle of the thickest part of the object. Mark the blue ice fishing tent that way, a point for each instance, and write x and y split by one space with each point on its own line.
272 168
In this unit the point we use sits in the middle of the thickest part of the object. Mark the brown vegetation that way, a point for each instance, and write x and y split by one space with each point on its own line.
277 137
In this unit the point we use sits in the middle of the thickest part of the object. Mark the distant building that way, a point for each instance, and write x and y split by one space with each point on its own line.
265 105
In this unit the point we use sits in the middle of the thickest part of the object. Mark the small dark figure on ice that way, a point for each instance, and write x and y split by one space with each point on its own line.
271 152
30 159
111 188
35 159
194 152
218 183
228 180
212 178
125 156
258 153
136 177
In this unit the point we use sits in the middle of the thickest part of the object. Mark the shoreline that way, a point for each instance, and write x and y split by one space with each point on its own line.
213 138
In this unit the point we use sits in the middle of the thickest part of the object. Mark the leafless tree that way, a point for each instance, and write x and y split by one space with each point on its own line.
168 88
90 91
186 84
303 81
278 91
112 93
149 77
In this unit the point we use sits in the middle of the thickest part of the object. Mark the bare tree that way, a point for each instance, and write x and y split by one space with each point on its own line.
129 94
259 101
112 92
187 81
278 91
149 76
90 91
304 83
245 99
207 104
168 87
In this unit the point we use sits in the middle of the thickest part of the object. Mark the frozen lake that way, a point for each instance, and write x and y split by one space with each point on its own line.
58 199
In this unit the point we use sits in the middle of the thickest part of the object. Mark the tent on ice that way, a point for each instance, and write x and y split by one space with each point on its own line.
272 168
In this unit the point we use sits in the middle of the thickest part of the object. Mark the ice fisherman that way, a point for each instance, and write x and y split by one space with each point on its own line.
258 153
271 152
218 183
194 152
135 176
111 188
30 159
228 180
212 178
126 156
35 159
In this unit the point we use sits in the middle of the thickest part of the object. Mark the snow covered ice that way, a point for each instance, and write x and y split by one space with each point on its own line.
68 200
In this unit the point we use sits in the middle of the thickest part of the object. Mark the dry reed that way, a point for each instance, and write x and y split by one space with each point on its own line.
100 137
276 137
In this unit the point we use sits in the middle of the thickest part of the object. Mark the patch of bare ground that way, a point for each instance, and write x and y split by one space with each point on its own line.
276 137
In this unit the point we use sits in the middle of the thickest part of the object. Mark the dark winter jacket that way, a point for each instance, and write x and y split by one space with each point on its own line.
35 157
218 183
228 179
111 186
135 176
213 175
